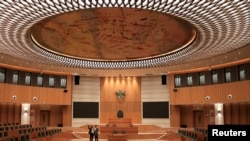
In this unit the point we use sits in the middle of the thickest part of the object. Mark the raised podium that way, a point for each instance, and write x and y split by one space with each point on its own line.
118 128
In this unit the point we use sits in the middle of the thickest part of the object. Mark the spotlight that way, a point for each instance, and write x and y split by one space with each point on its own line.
14 97
229 96
35 98
25 112
175 90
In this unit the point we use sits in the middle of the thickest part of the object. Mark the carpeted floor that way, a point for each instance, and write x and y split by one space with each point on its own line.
145 133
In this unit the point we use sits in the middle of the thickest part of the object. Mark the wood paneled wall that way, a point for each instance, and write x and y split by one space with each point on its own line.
183 103
130 105
234 113
55 114
58 100
10 113
45 95
186 100
186 113
237 113
218 93
175 116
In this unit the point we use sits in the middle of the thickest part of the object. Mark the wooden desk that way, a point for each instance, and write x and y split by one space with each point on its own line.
119 125
111 130
120 120
117 137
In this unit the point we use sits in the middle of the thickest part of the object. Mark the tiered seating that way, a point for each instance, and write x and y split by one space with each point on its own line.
15 132
203 131
193 135
200 130
3 135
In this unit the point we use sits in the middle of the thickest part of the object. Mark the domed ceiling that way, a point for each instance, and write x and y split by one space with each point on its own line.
111 37
112 34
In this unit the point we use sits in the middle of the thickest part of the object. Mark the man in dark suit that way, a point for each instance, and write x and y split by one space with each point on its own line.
96 132
91 132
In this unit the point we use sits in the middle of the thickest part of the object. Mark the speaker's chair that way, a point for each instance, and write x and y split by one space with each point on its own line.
120 114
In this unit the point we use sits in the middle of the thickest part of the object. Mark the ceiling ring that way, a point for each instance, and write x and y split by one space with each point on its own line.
209 17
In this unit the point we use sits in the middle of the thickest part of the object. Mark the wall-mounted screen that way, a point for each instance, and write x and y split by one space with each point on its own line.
156 109
85 110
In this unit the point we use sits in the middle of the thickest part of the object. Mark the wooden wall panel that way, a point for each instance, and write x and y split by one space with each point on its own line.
110 103
235 115
227 113
10 109
175 111
17 111
207 115
242 113
218 93
25 94
187 116
3 111
67 115
10 113
36 109
56 115
248 113
233 110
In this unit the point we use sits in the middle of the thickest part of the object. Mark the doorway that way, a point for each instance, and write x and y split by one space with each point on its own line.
198 119
44 118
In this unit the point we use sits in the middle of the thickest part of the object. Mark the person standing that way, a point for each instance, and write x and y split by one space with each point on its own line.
91 132
96 132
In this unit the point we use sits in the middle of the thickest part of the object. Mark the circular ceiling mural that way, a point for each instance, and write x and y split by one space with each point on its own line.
113 34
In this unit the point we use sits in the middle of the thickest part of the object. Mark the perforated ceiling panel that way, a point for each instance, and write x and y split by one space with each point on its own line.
222 26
